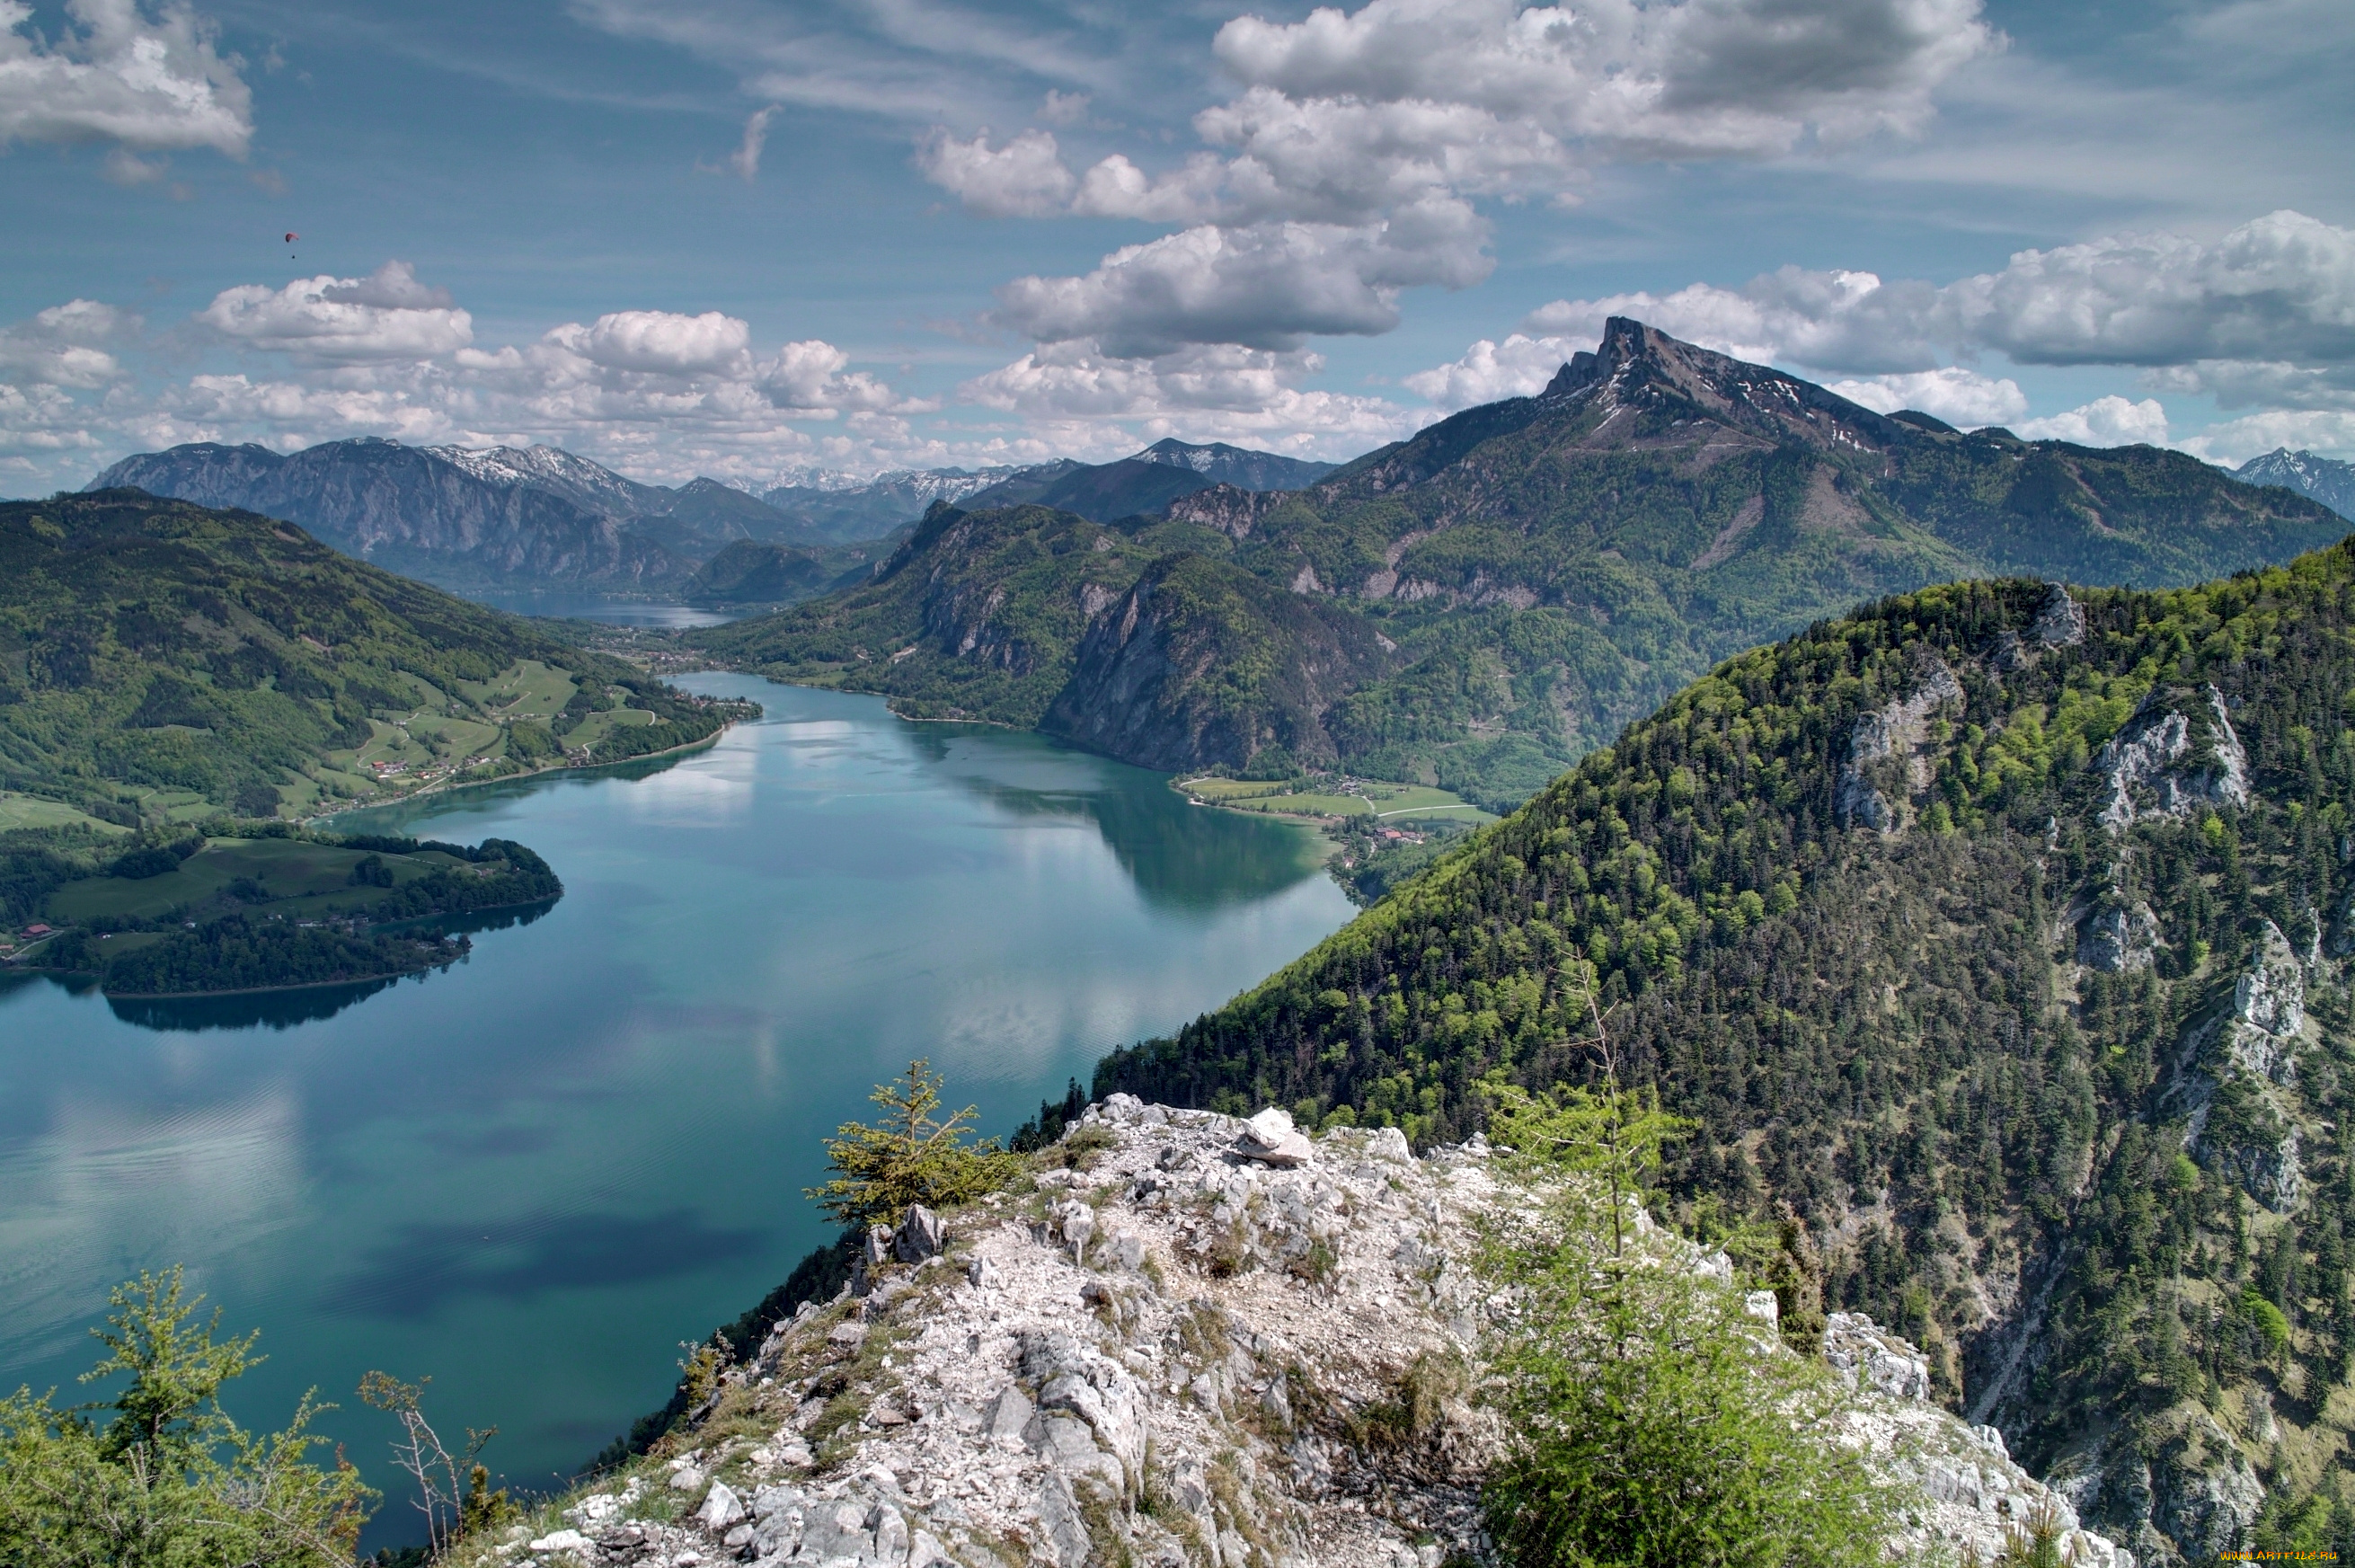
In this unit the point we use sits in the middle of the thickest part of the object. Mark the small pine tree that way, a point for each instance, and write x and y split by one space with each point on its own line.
911 1156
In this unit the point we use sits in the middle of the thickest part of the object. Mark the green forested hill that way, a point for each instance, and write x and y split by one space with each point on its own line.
1535 573
159 659
2001 935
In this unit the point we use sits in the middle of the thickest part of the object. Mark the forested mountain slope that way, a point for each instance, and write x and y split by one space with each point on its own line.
158 658
2002 933
1537 572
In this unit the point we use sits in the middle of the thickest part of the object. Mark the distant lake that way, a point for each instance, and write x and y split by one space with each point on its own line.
655 613
532 1174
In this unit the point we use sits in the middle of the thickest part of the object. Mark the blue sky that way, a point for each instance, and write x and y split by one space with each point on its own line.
747 238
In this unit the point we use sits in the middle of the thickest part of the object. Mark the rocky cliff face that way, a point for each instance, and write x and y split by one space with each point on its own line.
412 511
1188 1341
490 517
1202 663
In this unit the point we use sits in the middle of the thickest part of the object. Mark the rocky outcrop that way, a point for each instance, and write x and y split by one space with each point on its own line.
1887 751
2059 624
2178 1491
2173 759
2059 620
2236 1068
2119 938
1172 1353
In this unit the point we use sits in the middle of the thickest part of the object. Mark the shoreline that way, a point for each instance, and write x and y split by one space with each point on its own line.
262 990
451 785
304 985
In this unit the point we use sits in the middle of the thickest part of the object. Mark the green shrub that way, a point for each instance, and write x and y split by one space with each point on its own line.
168 1478
1654 1428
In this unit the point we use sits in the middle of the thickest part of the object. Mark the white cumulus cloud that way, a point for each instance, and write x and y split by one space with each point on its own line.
1519 367
1959 396
1266 286
1347 167
1091 400
2268 310
1024 178
2105 421
121 74
386 315
65 345
386 355
660 342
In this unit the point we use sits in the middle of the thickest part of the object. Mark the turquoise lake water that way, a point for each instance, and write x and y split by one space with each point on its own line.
530 1176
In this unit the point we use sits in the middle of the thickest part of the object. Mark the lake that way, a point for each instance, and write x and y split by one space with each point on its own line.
560 604
531 1175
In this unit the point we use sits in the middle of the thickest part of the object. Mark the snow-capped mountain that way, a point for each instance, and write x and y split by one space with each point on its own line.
2324 479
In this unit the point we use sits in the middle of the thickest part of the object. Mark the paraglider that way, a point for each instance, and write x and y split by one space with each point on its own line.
291 238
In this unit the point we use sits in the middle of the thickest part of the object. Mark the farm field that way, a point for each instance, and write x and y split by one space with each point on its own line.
29 811
1393 803
290 877
525 689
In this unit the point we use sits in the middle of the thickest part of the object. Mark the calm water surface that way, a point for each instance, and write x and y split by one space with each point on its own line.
532 1174
652 612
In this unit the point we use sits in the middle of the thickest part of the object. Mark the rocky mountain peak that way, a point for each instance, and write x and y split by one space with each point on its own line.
2324 479
1639 367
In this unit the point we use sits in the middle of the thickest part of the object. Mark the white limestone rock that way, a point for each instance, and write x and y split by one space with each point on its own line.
1202 1342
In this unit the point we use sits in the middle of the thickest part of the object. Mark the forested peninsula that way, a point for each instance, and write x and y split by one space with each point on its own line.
251 907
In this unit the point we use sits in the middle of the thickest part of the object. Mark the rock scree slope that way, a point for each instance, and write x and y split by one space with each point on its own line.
1208 1343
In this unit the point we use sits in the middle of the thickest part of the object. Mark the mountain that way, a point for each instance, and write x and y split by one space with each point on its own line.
475 517
844 510
2324 479
1176 1350
1238 466
1535 573
2001 933
160 660
1146 483
750 571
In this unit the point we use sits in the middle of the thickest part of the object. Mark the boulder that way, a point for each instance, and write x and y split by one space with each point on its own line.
1075 1222
1272 1139
721 1507
1009 1413
920 1236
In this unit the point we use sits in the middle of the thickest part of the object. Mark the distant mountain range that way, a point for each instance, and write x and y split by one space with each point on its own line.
2323 479
467 519
505 518
1147 483
1480 604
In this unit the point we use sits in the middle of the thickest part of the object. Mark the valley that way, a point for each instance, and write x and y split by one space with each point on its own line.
1985 940
1476 607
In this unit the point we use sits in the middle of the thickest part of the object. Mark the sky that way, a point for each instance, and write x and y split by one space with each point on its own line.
764 238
